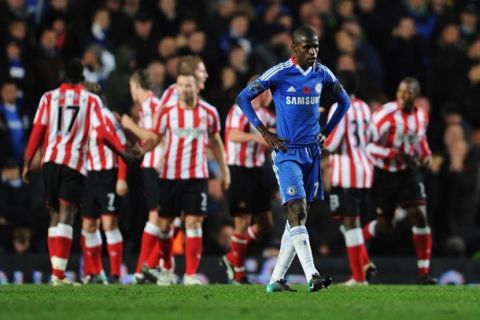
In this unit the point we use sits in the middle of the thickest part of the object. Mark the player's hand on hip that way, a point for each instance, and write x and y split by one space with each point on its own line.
322 139
121 187
272 139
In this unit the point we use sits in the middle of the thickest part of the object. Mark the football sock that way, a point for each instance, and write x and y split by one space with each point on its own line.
422 240
52 232
166 246
237 254
86 255
355 246
251 235
285 256
63 245
149 241
299 236
115 250
193 251
369 230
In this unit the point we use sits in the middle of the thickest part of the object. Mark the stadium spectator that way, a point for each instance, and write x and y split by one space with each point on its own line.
48 62
157 77
144 38
15 120
116 86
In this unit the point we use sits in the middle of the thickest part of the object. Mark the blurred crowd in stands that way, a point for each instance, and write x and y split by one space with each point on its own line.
436 41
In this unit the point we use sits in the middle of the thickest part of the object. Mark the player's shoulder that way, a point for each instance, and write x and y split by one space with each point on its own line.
277 70
323 69
387 109
209 107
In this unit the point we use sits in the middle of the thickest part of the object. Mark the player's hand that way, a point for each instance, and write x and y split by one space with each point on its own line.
260 140
272 139
121 187
127 122
409 160
322 139
130 157
26 174
427 162
226 179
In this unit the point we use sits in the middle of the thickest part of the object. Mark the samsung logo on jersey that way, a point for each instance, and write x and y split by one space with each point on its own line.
314 100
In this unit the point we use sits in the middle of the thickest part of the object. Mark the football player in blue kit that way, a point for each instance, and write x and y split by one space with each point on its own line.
297 85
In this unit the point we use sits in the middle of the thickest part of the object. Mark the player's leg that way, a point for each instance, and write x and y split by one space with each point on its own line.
194 205
240 197
169 202
51 180
413 200
52 233
91 245
385 190
285 173
151 233
345 203
70 193
114 245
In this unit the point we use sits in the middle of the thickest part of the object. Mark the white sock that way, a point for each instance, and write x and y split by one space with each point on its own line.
301 243
285 256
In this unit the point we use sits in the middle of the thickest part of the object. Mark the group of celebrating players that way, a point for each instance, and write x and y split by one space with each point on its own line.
79 136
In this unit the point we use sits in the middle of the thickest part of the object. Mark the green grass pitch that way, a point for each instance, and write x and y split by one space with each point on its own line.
238 302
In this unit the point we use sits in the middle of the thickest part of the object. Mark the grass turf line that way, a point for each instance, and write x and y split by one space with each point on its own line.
237 302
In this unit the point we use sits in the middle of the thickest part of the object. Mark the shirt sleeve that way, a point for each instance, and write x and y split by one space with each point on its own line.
336 137
41 116
162 123
333 86
214 123
267 80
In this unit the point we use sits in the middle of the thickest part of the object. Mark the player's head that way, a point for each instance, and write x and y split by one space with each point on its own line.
408 90
193 64
349 81
139 84
73 71
187 86
305 45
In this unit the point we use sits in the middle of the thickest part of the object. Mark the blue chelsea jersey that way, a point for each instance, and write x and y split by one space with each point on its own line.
296 95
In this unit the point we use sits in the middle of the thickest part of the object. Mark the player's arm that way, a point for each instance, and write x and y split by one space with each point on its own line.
422 150
216 145
244 101
121 186
149 138
37 135
335 138
236 123
340 95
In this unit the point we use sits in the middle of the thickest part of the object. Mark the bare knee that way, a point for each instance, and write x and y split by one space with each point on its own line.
418 216
193 222
67 213
297 212
89 225
109 222
351 222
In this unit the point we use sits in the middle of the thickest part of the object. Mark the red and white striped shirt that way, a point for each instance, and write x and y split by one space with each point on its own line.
169 97
246 154
398 131
148 113
101 157
68 114
349 163
186 140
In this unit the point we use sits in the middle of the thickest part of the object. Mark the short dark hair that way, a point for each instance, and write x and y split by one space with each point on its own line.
349 81
73 71
303 31
414 82
142 77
